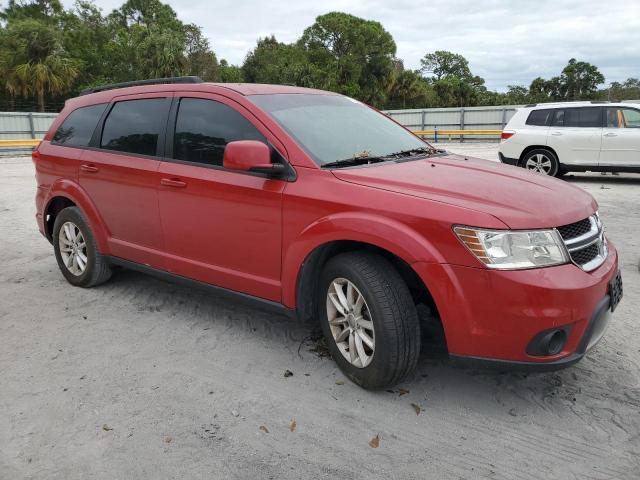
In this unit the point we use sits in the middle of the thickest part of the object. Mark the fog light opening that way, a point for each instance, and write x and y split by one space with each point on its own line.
556 342
549 342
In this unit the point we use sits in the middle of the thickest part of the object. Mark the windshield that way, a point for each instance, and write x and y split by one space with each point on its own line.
332 127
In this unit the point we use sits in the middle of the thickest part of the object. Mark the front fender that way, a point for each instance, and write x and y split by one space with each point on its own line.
382 232
73 191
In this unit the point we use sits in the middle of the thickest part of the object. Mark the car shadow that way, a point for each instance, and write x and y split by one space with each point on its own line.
436 381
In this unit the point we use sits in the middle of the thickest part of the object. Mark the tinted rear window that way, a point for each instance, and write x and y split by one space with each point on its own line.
539 117
78 127
134 126
583 117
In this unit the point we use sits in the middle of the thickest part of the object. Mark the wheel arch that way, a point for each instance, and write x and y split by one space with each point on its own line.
65 193
537 147
51 211
306 280
358 228
306 303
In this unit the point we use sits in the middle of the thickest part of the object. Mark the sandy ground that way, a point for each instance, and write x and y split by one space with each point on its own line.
140 379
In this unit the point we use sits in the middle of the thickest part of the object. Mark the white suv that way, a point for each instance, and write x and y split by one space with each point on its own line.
555 138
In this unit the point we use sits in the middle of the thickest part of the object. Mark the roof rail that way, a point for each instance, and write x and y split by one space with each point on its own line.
149 81
577 102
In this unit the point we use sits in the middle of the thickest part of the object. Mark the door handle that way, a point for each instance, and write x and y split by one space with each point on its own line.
89 168
610 134
173 182
556 134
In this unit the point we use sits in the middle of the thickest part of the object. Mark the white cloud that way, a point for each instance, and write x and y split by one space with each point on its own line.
506 42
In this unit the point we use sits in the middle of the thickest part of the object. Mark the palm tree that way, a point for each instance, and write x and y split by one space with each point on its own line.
34 61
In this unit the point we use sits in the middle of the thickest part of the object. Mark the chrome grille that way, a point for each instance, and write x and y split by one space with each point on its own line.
574 230
585 242
585 255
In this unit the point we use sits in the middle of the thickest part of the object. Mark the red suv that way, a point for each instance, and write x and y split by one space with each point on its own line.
317 205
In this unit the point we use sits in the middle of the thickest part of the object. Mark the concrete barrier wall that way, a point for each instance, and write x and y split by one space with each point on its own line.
21 125
459 118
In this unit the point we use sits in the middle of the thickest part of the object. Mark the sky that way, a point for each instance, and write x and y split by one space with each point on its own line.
506 42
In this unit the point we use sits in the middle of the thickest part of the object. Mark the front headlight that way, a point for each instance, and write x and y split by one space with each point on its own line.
514 249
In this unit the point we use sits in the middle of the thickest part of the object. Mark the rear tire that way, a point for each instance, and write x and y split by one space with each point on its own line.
78 258
542 161
382 344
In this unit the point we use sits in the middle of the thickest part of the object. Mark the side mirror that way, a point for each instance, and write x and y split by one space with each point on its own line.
250 156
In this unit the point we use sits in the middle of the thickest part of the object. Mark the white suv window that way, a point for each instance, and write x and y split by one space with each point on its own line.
584 117
558 119
623 118
539 118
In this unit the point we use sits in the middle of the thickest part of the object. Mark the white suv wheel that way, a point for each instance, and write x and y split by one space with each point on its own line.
541 161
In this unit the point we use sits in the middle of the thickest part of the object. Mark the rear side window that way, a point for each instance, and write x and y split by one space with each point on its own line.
539 118
78 127
204 127
134 126
622 118
583 117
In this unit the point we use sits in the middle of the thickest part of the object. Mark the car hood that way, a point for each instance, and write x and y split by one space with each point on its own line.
518 198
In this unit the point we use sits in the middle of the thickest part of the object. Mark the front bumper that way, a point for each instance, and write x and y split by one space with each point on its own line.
491 316
592 335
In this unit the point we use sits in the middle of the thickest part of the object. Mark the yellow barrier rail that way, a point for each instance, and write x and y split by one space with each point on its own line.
27 142
457 132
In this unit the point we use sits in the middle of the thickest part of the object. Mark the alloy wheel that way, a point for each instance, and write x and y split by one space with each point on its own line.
73 248
350 322
539 163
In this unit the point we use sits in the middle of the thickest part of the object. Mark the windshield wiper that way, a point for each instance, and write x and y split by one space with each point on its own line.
413 152
364 160
350 162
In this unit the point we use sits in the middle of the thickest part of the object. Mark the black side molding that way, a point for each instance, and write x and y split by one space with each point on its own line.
250 300
602 168
515 366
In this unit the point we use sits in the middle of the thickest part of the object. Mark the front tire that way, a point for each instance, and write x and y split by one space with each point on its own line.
78 258
542 161
369 319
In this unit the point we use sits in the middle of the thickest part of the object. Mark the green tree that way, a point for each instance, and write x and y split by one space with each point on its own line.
352 55
408 89
34 61
516 95
441 64
200 59
275 62
149 40
44 10
452 80
455 92
230 73
87 38
580 80
627 90
542 90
